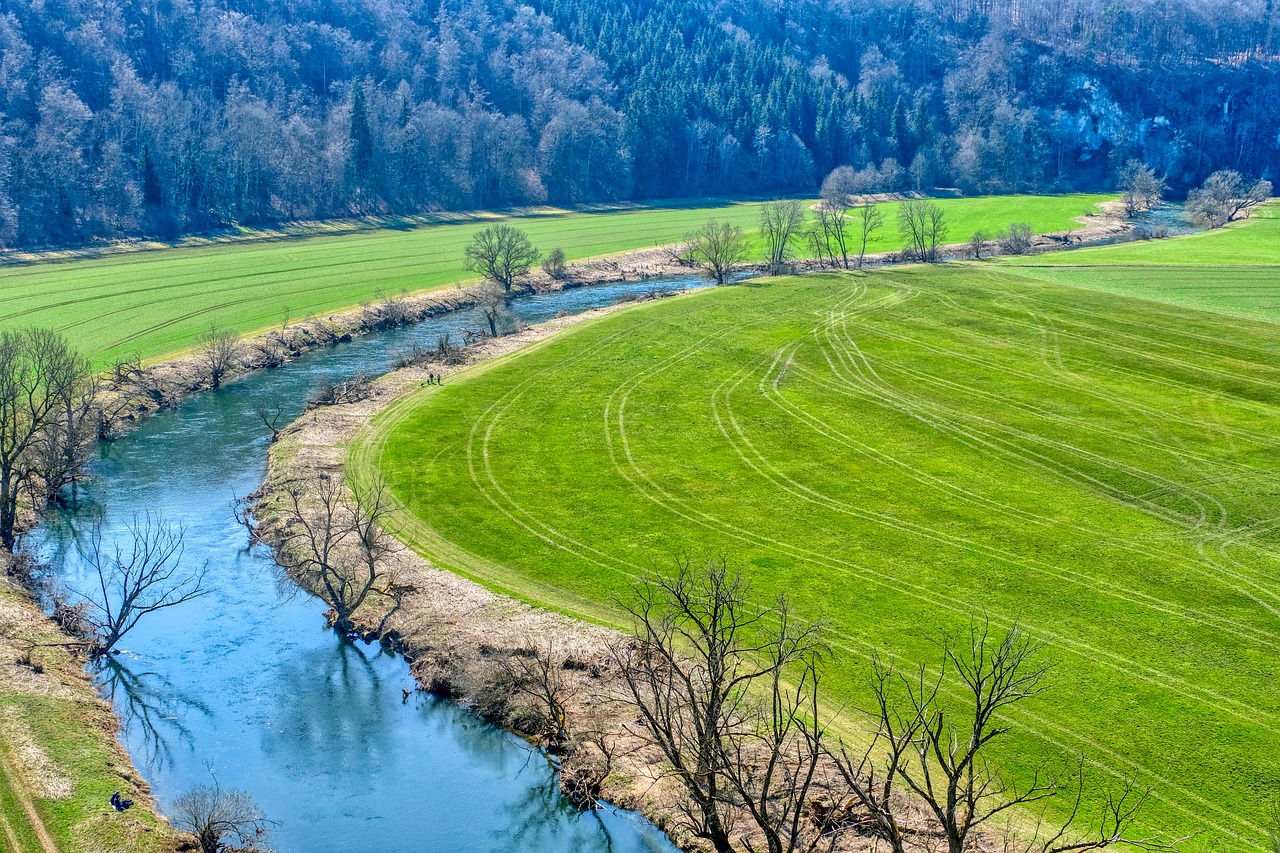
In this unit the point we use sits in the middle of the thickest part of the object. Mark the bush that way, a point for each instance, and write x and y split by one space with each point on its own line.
1016 240
553 263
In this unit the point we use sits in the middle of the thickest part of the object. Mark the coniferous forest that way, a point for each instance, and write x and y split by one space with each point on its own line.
122 118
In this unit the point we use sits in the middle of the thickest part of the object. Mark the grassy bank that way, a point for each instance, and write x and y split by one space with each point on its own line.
59 759
157 303
1233 270
898 451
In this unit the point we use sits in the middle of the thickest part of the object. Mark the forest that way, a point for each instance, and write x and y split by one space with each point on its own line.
158 118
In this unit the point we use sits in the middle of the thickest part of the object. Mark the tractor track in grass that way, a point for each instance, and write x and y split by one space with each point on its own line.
796 372
1243 710
770 390
649 488
665 500
13 781
990 443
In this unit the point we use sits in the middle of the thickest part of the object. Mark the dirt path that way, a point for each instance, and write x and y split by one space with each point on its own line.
18 791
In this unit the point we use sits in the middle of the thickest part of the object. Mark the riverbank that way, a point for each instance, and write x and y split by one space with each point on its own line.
468 643
459 636
132 391
60 758
454 673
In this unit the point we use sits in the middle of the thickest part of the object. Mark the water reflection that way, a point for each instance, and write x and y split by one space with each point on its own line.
153 709
248 684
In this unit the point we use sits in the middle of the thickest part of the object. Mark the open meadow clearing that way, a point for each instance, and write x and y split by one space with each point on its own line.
157 303
1232 270
898 452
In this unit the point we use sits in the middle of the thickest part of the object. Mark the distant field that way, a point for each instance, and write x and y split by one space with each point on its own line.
1234 270
155 303
899 451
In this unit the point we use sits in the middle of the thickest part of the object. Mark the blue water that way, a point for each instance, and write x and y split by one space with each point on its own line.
247 686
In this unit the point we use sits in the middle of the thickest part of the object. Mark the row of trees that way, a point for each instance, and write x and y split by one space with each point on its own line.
123 118
730 695
728 692
837 236
1225 195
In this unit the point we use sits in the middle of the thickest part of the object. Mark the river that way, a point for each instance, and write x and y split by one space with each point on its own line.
247 686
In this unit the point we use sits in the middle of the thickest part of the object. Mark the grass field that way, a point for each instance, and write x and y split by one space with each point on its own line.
899 451
157 303
1233 270
58 760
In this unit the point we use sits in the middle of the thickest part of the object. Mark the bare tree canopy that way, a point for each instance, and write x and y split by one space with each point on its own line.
716 248
554 263
501 253
335 545
1141 186
1225 196
217 817
727 691
780 224
43 385
940 748
492 302
839 184
922 224
219 352
137 577
979 245
1016 239
827 235
869 218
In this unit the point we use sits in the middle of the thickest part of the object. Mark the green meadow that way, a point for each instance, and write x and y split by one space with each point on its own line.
900 451
1232 270
154 303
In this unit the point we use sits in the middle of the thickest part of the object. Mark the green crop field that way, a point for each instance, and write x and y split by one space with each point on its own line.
900 451
156 303
1233 270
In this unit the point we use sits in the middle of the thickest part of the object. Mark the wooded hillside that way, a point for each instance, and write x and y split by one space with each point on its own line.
159 117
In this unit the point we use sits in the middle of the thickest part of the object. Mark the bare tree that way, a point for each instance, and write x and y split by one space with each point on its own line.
1141 186
501 253
335 545
701 652
1225 196
273 418
979 243
492 302
1016 239
538 674
68 441
870 218
892 744
839 184
821 235
40 375
951 773
216 817
716 248
135 578
218 352
780 224
772 758
922 224
553 263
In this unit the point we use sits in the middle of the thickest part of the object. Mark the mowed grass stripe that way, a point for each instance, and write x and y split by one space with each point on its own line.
860 461
156 303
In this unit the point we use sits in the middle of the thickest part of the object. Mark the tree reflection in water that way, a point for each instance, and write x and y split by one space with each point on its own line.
151 710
